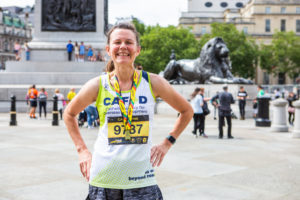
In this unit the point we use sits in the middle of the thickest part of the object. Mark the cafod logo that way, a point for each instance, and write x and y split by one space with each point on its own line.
109 101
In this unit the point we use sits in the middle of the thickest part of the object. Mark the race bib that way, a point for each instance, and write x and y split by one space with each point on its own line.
139 130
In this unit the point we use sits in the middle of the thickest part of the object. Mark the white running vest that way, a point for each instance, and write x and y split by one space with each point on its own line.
118 163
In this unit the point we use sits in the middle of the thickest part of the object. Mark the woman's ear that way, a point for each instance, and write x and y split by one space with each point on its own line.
138 51
107 49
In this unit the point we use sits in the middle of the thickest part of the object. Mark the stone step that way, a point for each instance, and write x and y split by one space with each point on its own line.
46 78
36 66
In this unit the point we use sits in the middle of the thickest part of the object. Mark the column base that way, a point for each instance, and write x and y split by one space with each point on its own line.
262 122
279 128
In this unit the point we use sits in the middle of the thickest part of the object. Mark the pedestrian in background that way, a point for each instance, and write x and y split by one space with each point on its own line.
42 97
90 53
225 99
261 91
71 95
92 115
205 110
277 93
81 52
197 103
60 102
291 109
70 50
76 51
242 96
27 51
17 50
215 104
32 97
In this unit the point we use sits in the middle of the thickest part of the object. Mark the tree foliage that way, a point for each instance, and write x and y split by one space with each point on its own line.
243 51
282 55
157 43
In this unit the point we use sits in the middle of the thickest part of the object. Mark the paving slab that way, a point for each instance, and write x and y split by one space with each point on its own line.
39 161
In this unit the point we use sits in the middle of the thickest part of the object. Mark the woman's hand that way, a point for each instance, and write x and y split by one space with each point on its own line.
85 160
158 152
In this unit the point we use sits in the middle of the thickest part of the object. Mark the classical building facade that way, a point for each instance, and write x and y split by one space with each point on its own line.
12 29
258 18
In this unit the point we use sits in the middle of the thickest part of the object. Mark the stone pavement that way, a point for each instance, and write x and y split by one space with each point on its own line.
39 162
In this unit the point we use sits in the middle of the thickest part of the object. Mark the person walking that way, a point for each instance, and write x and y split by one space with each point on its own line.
60 102
32 97
242 96
291 109
42 97
70 50
225 99
122 165
197 103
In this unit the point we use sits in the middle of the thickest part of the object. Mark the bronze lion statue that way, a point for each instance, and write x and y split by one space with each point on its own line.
213 66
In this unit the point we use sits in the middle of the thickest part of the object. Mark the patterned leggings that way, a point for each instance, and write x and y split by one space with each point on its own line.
145 193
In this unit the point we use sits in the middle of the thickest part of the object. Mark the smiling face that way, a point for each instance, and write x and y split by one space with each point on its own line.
123 47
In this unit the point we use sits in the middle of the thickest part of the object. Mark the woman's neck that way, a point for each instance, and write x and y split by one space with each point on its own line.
125 77
123 73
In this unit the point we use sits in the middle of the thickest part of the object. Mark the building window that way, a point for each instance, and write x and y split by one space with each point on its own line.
224 4
283 9
281 78
268 25
266 79
203 30
268 10
245 30
208 4
298 26
239 4
298 10
282 25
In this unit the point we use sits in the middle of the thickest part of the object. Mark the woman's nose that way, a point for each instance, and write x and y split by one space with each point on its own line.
123 45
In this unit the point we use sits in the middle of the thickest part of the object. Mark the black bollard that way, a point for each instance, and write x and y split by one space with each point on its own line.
55 112
13 113
263 112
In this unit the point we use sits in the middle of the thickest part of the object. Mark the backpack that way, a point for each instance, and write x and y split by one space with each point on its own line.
42 97
205 109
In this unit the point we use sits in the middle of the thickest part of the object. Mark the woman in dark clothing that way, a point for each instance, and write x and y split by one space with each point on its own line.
291 110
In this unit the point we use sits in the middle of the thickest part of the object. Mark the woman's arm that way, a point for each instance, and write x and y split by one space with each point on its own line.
87 95
163 89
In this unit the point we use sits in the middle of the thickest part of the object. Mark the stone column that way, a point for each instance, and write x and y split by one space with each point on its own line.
296 131
279 116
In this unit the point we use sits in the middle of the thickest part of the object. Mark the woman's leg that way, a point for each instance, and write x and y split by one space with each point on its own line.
195 124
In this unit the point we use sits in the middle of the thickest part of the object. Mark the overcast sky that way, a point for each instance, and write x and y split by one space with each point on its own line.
151 12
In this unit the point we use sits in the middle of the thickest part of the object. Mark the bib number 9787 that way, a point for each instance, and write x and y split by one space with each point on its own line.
134 129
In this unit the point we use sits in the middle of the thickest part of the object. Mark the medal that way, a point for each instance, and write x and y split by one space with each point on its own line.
127 134
126 117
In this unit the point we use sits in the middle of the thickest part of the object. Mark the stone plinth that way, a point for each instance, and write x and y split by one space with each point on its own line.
279 116
296 131
51 45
